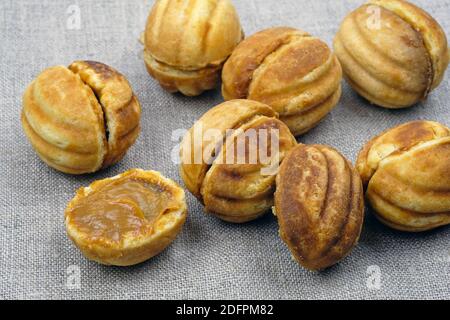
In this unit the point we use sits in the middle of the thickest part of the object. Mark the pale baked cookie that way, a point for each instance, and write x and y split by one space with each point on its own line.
319 204
407 174
82 118
236 190
187 42
289 70
392 52
127 219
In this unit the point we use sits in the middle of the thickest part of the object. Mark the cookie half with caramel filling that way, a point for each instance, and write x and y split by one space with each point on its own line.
127 219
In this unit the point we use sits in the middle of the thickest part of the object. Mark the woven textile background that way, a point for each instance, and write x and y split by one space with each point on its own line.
210 259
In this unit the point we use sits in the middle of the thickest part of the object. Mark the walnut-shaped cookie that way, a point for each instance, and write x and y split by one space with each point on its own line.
407 174
81 118
230 157
319 203
289 70
187 42
392 52
126 219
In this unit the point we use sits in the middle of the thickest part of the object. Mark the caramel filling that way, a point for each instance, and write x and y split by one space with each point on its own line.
121 209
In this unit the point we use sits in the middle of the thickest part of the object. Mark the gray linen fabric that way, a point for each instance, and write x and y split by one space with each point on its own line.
210 259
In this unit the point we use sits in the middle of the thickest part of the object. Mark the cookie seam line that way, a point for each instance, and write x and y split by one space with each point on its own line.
370 145
102 108
400 153
431 66
106 124
338 238
210 66
371 74
289 41
221 144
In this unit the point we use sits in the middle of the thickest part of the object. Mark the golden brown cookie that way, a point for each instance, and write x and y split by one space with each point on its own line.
407 174
187 42
289 70
392 52
82 118
127 219
240 188
319 204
